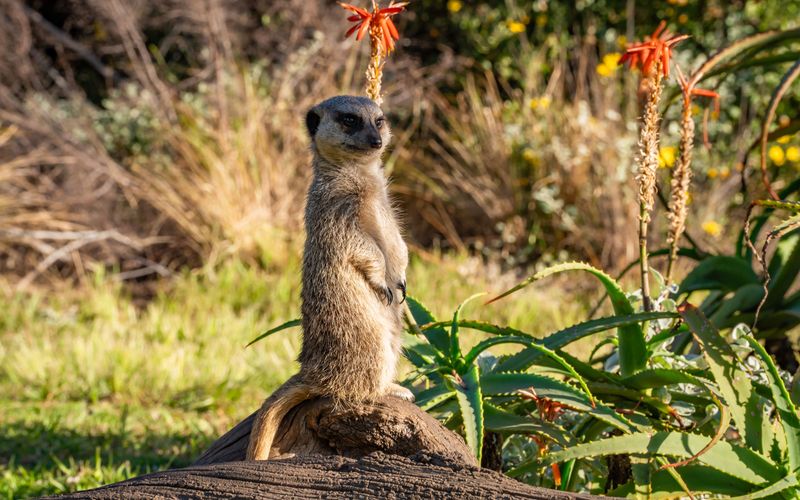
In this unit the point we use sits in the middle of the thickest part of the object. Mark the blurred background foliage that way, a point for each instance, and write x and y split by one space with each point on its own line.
153 153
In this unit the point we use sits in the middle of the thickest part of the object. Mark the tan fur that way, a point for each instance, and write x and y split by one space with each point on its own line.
354 266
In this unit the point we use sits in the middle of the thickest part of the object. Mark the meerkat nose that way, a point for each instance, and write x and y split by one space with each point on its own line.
375 142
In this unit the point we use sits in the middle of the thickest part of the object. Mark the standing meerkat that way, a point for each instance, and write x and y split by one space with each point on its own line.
354 270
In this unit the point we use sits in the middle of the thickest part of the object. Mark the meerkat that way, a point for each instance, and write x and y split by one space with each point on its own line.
354 270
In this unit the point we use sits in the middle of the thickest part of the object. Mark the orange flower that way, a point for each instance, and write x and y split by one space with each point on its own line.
658 48
689 91
379 19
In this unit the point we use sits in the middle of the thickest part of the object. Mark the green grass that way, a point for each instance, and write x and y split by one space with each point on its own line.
96 387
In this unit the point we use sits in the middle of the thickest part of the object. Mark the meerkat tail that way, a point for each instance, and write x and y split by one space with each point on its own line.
269 417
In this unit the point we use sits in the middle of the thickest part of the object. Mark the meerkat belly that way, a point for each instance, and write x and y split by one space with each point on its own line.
349 347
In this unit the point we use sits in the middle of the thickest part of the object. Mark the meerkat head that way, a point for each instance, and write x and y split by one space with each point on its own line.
347 129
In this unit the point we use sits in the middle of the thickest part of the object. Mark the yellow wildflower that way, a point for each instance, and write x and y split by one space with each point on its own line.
609 65
622 42
515 26
784 139
793 154
712 173
777 155
540 103
529 156
695 109
666 156
454 6
712 228
683 18
724 172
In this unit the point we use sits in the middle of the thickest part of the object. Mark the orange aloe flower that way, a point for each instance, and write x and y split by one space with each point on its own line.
689 91
379 19
657 48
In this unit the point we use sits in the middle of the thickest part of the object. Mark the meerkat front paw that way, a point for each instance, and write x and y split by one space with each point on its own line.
398 391
388 294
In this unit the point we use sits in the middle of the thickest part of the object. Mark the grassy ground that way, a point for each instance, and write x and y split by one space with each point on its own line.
96 386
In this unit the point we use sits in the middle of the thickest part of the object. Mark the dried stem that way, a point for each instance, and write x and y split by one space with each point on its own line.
681 180
646 177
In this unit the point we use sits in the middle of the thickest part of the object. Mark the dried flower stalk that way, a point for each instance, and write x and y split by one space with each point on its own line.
646 175
375 68
680 183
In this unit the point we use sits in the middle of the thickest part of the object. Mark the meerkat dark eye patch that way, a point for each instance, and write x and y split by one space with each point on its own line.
312 122
350 121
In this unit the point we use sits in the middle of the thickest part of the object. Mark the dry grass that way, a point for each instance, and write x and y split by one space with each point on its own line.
521 172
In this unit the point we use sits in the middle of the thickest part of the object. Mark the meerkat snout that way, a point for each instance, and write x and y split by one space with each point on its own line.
348 129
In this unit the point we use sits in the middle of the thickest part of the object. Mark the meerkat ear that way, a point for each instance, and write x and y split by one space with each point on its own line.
312 122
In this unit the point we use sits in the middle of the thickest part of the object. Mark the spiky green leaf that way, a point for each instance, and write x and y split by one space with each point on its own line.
525 358
783 403
495 384
470 402
437 337
736 461
289 324
734 385
632 346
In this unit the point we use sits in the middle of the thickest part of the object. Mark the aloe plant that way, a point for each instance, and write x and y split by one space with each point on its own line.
720 423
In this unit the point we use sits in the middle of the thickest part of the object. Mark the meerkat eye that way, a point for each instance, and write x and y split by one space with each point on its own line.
349 120
380 121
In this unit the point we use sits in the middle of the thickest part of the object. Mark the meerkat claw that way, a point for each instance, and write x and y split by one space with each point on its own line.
402 287
387 292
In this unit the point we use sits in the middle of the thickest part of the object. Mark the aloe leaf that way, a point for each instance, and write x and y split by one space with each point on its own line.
557 340
786 274
483 345
437 337
470 402
640 470
780 91
482 326
632 347
659 377
745 298
783 403
747 45
698 478
436 395
720 272
455 346
784 484
289 324
736 461
499 420
495 384
734 384
747 236
783 249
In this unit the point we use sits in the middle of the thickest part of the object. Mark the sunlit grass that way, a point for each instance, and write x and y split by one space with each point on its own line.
96 386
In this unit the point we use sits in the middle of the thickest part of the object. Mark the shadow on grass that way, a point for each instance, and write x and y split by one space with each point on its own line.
36 444
41 458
